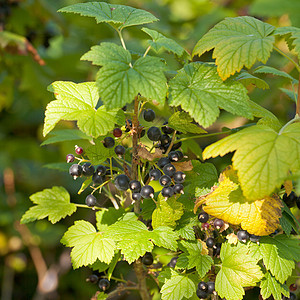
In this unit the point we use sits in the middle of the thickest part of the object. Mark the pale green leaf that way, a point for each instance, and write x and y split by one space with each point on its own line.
246 79
262 157
181 121
159 42
164 237
199 90
11 39
177 287
88 245
238 270
269 286
53 203
120 16
101 296
109 216
237 42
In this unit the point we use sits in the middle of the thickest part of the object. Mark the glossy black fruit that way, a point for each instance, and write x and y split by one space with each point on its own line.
178 188
97 179
166 129
135 186
165 140
210 242
165 180
169 169
101 170
122 182
147 259
290 200
70 158
90 200
154 174
218 223
243 236
162 162
104 284
117 132
167 192
154 133
254 238
203 217
93 278
147 191
75 170
217 249
210 287
136 196
173 262
120 150
179 177
175 155
176 146
201 294
149 115
202 285
108 142
88 169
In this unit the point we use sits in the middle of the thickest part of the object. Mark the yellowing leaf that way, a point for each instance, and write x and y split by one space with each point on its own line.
227 202
288 186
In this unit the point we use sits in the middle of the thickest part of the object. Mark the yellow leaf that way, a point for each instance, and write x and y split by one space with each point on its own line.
288 186
227 202
232 238
204 250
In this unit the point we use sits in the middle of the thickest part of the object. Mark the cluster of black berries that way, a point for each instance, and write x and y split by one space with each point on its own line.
103 283
204 289
244 236
291 200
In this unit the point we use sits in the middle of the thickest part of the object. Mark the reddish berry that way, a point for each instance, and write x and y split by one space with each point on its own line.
78 150
293 287
205 226
70 158
117 132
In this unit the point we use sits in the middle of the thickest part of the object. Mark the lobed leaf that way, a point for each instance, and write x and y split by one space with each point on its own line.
269 286
246 79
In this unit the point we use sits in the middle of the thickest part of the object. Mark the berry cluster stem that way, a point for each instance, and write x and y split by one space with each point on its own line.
298 99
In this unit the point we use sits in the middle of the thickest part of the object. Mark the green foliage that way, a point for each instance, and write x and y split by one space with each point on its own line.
270 286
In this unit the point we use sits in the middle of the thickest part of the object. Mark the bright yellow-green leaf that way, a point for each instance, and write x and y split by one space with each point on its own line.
262 157
270 286
237 42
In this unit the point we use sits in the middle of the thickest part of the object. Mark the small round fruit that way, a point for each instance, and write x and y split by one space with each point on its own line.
165 180
173 262
147 191
75 170
104 284
169 169
78 150
243 236
162 162
147 259
217 249
180 154
88 169
176 145
210 242
117 132
166 129
136 196
174 156
70 158
108 142
205 226
93 278
167 192
203 217
165 140
202 285
254 238
120 150
179 177
293 287
218 223
122 182
90 200
142 133
290 200
128 125
135 186
149 115
201 294
153 133
101 170
210 287
97 179
178 188
154 174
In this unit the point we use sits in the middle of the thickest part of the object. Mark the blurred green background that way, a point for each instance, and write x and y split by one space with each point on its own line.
57 42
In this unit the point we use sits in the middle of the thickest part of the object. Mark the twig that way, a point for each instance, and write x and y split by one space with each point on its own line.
141 276
298 100
287 57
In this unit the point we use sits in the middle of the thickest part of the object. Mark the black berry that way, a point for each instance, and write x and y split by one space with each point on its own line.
201 294
217 249
179 177
178 188
108 142
210 287
167 192
218 223
75 170
203 217
78 150
202 285
117 132
104 284
122 182
210 242
290 200
180 154
166 129
169 169
147 259
147 191
165 140
149 115
136 196
90 200
87 169
254 238
173 262
101 170
165 180
176 145
97 179
175 156
154 133
154 174
70 158
92 278
162 162
243 236
142 133
120 150
135 186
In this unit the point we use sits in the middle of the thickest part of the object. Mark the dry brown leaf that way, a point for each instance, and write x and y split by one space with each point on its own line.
183 166
145 154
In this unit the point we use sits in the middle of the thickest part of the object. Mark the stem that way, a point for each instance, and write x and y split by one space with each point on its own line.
140 274
203 135
298 100
85 206
287 57
121 39
172 142
297 117
147 50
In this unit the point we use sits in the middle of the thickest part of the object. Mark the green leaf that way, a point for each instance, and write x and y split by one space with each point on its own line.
159 42
238 270
181 121
109 216
237 42
65 135
182 261
88 245
199 90
246 79
164 237
262 157
99 266
119 16
167 212
113 264
77 102
270 286
53 203
202 262
185 226
119 82
101 296
278 254
291 94
177 287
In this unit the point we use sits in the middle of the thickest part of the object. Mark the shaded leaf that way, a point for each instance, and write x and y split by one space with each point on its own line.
275 72
246 79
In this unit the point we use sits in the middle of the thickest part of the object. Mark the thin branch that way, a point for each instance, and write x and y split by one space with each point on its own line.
287 57
147 50
141 276
298 100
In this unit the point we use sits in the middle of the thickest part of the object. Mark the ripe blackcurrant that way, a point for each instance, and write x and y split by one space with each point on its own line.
210 287
147 259
122 182
70 158
166 129
210 242
147 191
176 146
173 262
175 156
104 284
290 200
165 180
90 200
149 115
178 188
243 236
120 150
97 179
217 249
108 142
201 294
254 238
93 278
167 192
128 125
218 223
154 174
162 162
180 154
142 133
202 285
135 186
87 169
154 133
165 140
203 217
179 177
169 169
75 170
78 150
136 196
117 132
101 170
